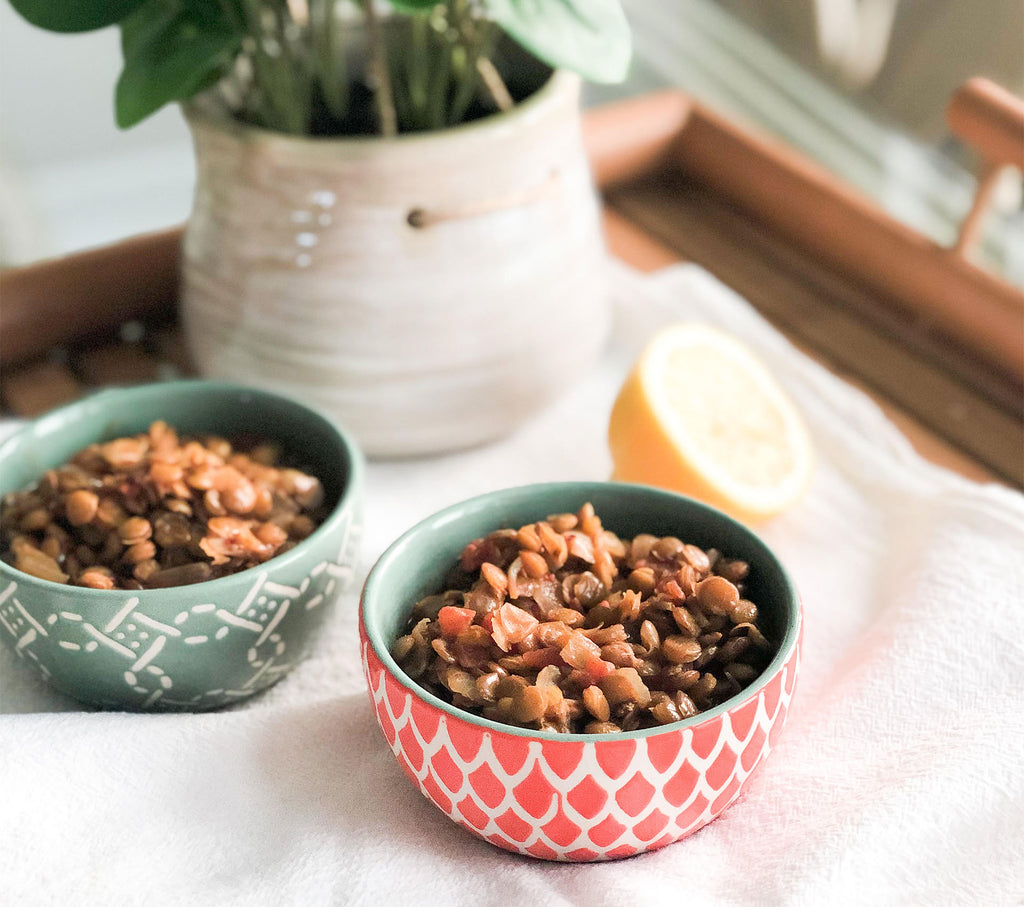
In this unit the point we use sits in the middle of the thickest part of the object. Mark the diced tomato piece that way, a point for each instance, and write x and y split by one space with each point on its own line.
510 624
454 620
597 669
584 655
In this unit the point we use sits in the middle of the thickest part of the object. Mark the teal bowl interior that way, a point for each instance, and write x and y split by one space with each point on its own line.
214 634
418 562
311 441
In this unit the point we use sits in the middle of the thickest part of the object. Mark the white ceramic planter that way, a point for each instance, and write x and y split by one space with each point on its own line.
432 291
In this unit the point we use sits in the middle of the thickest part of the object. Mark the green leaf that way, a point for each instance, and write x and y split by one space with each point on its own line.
75 15
413 6
172 49
145 26
590 37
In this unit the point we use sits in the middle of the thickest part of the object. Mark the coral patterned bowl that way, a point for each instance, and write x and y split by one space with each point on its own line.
575 797
191 647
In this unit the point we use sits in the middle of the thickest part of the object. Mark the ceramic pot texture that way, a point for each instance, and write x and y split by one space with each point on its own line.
303 273
575 797
194 647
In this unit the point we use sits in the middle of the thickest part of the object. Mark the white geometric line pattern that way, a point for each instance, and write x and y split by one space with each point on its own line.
17 621
578 800
137 660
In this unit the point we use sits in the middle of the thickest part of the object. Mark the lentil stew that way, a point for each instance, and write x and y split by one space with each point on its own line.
155 510
562 626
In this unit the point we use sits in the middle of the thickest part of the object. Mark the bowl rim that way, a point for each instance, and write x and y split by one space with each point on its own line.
453 512
347 499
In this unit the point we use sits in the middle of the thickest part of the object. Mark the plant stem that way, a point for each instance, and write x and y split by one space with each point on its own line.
297 68
329 56
479 37
400 81
417 68
436 114
494 83
379 67
271 73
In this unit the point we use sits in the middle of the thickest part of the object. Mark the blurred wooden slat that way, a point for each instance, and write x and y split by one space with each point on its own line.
38 387
990 119
172 350
48 304
116 363
630 139
635 246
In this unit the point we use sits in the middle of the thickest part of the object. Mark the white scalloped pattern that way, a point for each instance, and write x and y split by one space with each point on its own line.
569 800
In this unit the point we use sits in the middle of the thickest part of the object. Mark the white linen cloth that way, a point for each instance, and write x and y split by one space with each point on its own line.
899 779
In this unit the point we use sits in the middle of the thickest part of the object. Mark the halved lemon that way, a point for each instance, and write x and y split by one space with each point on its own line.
700 414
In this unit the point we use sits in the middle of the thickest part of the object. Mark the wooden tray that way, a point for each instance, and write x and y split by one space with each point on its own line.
938 341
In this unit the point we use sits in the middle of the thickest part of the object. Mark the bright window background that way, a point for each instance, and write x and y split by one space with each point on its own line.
859 85
69 178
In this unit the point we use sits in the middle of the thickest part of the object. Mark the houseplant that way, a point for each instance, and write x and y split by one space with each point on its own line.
393 215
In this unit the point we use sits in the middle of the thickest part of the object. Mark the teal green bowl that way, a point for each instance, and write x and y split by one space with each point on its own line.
196 647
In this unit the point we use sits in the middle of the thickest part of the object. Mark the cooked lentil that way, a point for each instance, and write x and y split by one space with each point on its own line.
562 626
155 510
